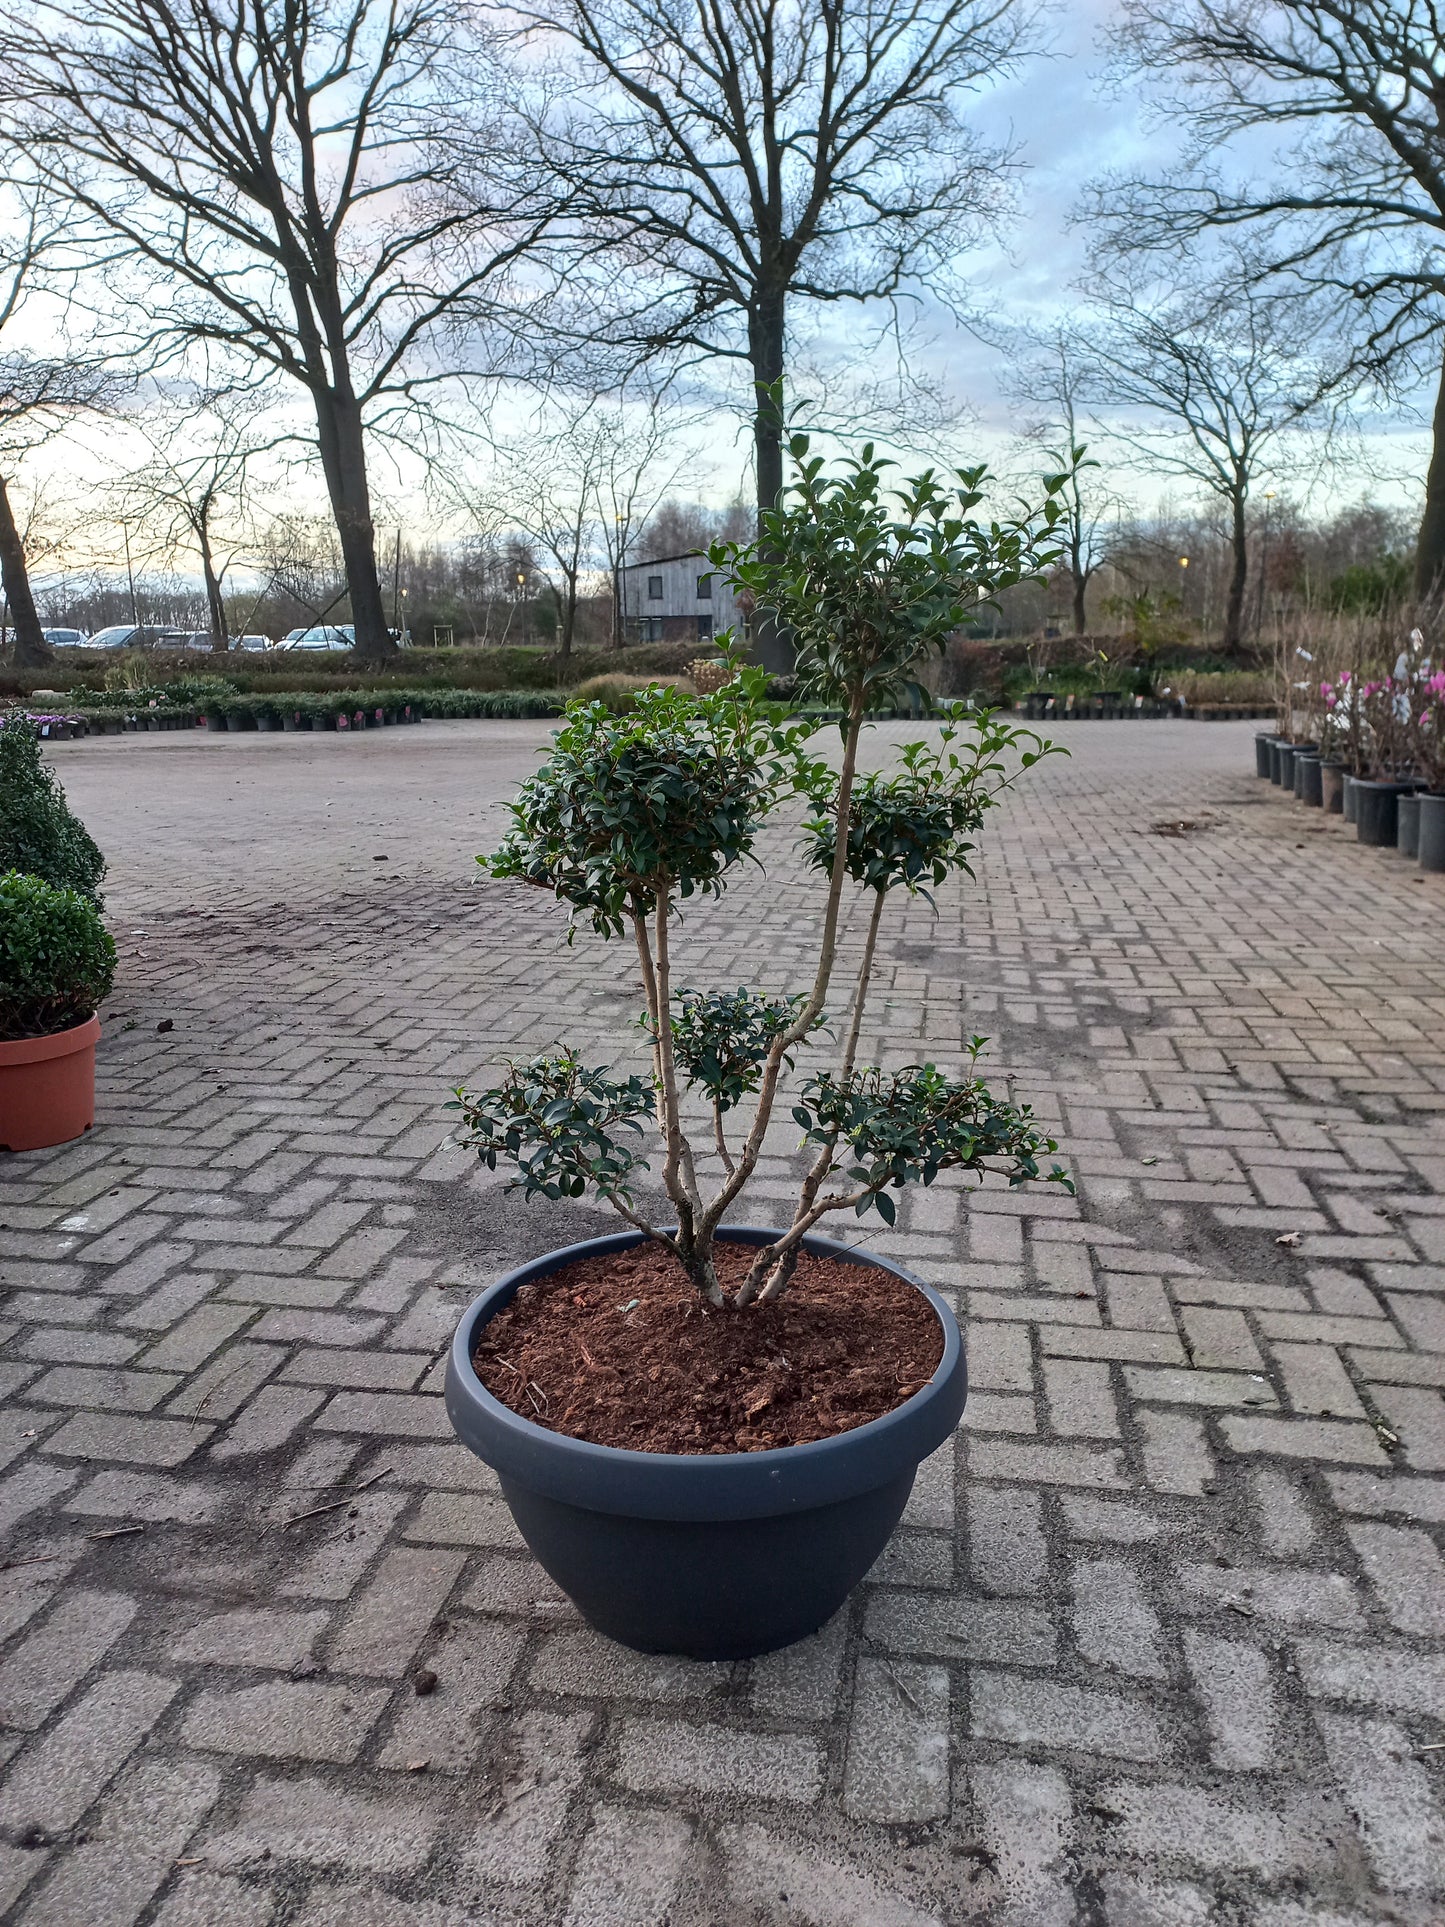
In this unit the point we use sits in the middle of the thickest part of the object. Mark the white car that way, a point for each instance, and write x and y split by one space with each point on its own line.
325 636
66 638
255 644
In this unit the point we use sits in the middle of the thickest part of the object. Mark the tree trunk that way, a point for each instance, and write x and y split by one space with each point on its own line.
1239 576
1081 621
568 625
214 603
1430 547
30 648
771 646
343 462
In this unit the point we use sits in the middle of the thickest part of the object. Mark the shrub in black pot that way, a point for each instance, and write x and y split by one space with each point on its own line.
666 1409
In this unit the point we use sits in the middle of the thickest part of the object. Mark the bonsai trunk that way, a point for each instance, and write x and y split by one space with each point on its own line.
343 462
30 646
1430 547
1239 576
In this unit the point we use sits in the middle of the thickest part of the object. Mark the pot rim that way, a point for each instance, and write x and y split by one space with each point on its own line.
55 1043
699 1485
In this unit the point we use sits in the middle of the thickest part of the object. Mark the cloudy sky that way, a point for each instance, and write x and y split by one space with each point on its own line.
1068 125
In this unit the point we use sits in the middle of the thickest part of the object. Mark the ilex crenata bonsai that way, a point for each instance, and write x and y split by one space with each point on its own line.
631 816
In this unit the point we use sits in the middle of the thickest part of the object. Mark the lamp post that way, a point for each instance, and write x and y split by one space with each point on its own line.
522 598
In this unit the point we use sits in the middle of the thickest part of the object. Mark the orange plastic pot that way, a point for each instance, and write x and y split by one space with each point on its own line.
47 1088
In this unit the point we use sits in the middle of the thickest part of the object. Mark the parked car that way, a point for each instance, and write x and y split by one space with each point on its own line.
325 635
253 643
66 638
183 639
123 635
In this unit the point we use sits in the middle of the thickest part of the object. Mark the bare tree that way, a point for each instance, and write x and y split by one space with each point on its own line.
1210 394
38 394
733 159
1355 208
189 489
300 176
1054 379
577 485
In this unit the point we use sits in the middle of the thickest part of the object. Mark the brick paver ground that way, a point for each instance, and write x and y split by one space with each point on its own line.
1161 1638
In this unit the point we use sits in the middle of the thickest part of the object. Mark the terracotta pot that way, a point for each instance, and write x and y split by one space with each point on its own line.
47 1088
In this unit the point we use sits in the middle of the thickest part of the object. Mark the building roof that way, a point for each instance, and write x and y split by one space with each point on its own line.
656 561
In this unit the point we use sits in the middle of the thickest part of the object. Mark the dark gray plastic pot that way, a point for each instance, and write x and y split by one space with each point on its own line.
1262 741
1375 812
1308 786
1432 833
1286 766
1407 825
1332 786
1348 806
714 1556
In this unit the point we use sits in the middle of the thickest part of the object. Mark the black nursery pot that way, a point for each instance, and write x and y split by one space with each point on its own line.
713 1556
1376 805
1262 742
1308 783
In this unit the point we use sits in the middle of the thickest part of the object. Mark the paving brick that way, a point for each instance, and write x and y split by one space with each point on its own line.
1024 1711
131 1851
629 1869
1025 1813
1198 1387
517 1839
285 1719
381 1633
214 1900
252 1636
801 1682
1046 1464
1176 1453
1080 1398
1234 1685
1179 1822
59 1776
824 1886
1219 1339
1114 1624
1006 1547
405 1415
896 1768
273 1415
959 1628
1403 1680
1334 1442
134 1441
1418 1418
1285 1524
1406 1573
1401 1822
656 1756
46 1668
323 1824
1295 1595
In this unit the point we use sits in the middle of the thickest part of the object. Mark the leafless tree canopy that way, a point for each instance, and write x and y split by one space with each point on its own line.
1227 381
1355 207
292 171
724 159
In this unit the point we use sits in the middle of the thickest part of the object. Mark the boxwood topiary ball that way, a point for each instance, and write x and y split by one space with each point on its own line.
57 959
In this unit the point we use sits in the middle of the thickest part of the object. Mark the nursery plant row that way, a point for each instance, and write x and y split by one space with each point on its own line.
334 710
1389 812
1113 705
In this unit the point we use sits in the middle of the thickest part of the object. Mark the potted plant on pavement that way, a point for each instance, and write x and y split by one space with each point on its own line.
39 832
706 1430
57 963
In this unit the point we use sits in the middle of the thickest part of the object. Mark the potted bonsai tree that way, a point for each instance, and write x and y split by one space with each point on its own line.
57 963
706 1430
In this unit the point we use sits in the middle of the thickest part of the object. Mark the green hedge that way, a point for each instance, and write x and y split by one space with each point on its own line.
39 833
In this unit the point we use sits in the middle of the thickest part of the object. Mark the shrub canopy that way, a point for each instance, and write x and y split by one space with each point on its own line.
39 833
57 959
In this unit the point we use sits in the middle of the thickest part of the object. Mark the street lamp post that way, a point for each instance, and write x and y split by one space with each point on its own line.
1264 559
